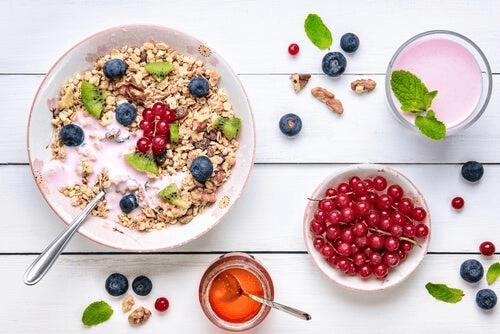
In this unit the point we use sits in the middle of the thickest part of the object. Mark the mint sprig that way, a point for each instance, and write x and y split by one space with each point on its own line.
318 32
444 293
493 273
96 313
415 97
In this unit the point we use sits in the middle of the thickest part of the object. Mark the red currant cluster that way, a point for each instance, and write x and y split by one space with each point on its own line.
155 125
362 230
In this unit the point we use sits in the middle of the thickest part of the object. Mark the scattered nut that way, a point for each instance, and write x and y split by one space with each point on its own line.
328 98
127 303
299 81
139 316
363 85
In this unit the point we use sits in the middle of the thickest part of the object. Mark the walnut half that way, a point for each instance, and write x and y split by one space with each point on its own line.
139 316
299 81
363 85
328 98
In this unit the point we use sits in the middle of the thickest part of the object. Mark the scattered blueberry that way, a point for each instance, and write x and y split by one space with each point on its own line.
72 135
486 299
290 124
472 171
334 64
114 68
142 285
128 203
349 42
471 271
199 86
125 113
116 284
201 168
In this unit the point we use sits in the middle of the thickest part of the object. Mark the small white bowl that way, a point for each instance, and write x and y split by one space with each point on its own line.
396 275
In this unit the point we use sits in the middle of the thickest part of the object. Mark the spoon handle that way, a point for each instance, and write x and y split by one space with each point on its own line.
46 259
290 310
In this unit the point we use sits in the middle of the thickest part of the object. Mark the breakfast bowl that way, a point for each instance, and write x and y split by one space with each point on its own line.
388 255
83 57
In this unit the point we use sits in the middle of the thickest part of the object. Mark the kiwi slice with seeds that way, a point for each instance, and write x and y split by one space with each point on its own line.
172 194
229 126
142 163
93 99
174 133
159 70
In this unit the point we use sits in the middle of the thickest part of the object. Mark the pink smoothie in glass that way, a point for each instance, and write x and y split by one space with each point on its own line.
449 68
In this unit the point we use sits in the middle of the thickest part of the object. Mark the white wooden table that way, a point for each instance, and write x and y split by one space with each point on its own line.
253 36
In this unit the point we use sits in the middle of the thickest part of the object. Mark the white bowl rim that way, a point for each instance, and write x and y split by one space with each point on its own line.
107 31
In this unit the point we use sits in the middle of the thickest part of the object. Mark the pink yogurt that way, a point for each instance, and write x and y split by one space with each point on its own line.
449 68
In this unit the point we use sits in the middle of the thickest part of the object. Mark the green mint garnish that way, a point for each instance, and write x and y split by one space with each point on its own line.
493 273
317 32
444 293
96 313
430 126
415 97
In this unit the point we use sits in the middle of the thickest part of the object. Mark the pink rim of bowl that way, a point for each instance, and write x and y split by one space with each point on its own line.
396 275
84 53
487 79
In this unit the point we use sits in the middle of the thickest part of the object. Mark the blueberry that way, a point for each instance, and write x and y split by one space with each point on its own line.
290 124
114 68
471 271
125 113
201 168
199 86
349 42
116 284
334 64
486 299
142 285
72 135
128 203
472 171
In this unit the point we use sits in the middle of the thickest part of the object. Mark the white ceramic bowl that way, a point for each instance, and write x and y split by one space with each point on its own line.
80 58
397 274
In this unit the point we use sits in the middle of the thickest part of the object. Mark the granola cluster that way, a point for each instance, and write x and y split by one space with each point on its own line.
197 134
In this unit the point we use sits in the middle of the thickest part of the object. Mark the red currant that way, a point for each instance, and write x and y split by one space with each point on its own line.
318 242
293 49
359 229
158 144
409 230
342 200
395 191
346 235
353 269
320 216
391 259
418 214
146 126
487 248
457 203
385 224
353 180
348 215
327 250
405 246
327 205
365 270
330 192
379 183
344 249
359 258
392 243
335 217
381 270
143 144
149 134
317 227
333 260
169 116
344 188
161 304
344 264
360 188
361 241
372 197
332 232
375 258
421 231
397 218
159 109
373 218
376 241
405 205
396 230
369 183
148 114
384 202
162 127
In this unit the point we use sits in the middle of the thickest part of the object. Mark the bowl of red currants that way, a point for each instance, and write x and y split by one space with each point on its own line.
367 227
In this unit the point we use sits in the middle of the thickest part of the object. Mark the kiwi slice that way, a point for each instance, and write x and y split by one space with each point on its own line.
142 163
171 193
159 70
93 99
228 125
174 133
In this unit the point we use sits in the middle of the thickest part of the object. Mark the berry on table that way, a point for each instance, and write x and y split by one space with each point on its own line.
161 304
457 203
349 42
128 203
114 68
472 171
116 284
486 299
72 135
293 49
199 86
334 64
471 271
142 285
487 248
201 168
125 113
290 124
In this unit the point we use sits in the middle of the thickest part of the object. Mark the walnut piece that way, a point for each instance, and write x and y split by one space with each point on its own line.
328 98
299 81
363 85
139 316
127 303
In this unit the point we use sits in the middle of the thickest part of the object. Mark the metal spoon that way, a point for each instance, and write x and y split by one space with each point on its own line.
235 285
48 257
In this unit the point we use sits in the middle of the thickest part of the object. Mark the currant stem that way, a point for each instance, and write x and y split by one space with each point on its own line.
400 238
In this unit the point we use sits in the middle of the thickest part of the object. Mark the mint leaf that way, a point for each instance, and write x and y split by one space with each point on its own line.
493 273
96 313
444 293
411 91
317 32
430 126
